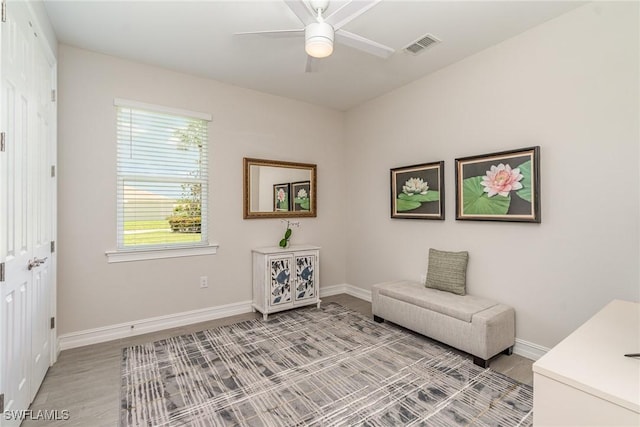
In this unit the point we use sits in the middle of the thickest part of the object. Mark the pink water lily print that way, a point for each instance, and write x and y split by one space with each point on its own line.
281 197
501 180
502 186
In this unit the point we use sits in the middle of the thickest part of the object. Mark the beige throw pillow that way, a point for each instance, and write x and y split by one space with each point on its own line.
447 271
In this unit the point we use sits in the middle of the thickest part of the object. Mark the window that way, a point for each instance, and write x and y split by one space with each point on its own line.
162 195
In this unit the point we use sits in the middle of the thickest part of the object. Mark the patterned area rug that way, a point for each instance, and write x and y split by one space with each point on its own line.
323 367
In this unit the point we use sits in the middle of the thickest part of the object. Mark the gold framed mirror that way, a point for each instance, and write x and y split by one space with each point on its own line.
277 189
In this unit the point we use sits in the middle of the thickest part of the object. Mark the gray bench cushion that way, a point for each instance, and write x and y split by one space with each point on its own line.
461 307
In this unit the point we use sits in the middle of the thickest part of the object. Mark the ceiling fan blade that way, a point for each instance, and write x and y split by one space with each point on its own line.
349 12
273 33
300 9
312 64
358 42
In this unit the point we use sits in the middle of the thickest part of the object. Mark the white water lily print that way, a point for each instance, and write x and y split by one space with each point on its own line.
417 191
415 186
302 198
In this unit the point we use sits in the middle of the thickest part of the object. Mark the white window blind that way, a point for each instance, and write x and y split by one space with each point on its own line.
162 177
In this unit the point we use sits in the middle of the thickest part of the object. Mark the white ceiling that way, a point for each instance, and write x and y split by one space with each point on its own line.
197 37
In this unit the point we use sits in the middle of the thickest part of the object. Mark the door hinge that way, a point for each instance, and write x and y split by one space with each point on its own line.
53 95
3 136
1 275
53 246
53 171
53 323
4 10
2 402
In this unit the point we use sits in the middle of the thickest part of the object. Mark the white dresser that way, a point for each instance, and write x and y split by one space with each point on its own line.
285 278
586 380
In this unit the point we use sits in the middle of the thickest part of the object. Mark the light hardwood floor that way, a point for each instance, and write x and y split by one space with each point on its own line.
86 380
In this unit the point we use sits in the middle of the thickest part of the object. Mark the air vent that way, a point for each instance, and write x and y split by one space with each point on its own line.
421 44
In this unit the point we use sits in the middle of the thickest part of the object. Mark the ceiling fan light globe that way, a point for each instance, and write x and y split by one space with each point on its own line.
319 47
318 40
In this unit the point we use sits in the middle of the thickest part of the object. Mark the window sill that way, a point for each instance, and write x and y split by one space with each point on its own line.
127 255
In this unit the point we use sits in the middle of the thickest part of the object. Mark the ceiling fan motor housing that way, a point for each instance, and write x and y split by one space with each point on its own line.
318 38
319 4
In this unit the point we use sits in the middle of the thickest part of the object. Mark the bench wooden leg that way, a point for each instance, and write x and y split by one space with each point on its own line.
508 351
480 362
377 319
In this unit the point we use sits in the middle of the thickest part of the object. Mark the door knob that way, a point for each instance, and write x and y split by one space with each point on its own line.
33 263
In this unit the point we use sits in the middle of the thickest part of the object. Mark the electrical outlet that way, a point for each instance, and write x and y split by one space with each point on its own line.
203 282
423 279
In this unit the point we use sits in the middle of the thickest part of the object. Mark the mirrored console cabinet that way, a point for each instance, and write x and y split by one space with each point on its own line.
285 278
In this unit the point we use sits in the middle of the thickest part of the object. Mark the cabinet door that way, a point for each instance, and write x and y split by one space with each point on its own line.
305 278
280 280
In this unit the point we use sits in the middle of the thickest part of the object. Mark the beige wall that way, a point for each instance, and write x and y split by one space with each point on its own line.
93 293
570 86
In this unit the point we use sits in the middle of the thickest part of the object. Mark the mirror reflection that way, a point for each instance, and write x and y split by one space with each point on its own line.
275 189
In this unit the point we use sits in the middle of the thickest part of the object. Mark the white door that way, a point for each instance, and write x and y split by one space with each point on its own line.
26 211
42 192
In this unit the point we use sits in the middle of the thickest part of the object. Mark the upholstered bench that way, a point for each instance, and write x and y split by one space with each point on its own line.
478 326
441 309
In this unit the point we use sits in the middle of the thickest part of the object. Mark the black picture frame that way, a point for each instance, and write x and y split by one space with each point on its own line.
501 186
408 200
300 202
281 197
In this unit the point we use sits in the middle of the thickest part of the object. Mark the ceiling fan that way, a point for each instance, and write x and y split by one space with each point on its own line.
320 32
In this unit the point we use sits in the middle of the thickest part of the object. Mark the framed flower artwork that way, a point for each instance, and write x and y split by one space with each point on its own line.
281 197
300 196
417 192
502 186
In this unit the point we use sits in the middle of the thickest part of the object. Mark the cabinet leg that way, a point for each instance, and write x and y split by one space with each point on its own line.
264 316
318 304
253 309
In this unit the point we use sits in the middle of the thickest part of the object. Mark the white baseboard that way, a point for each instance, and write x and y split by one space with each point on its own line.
357 292
153 324
327 291
344 288
123 330
529 350
523 348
